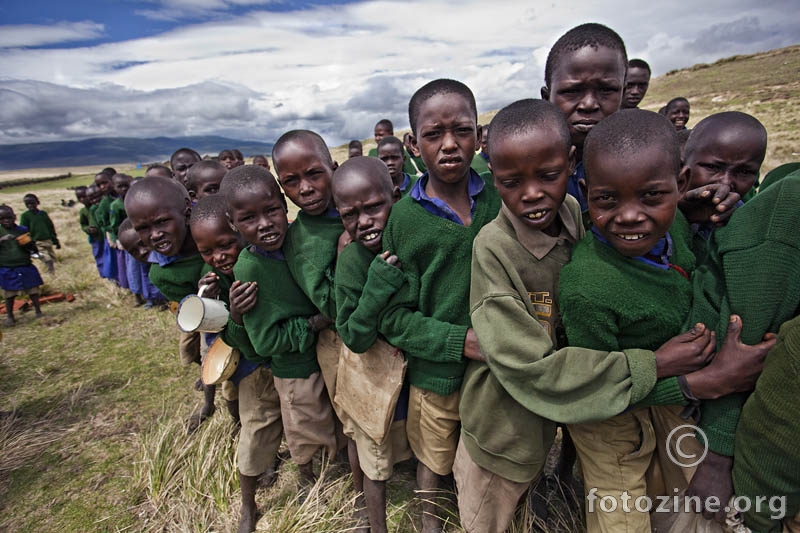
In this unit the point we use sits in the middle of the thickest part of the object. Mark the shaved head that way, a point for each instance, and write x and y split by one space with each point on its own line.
369 169
161 191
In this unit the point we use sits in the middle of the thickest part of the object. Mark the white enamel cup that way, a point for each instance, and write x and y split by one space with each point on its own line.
196 313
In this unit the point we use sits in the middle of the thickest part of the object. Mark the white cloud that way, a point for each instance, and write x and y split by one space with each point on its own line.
37 35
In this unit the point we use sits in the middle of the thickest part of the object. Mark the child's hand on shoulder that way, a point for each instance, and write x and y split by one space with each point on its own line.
211 282
243 297
714 203
344 240
319 322
390 259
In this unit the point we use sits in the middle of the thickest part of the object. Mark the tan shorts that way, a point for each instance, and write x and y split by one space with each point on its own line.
378 460
189 348
260 413
664 476
486 502
433 428
329 347
307 416
46 251
13 294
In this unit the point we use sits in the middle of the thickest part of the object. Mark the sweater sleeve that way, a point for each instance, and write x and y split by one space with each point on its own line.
570 385
85 221
25 219
236 336
116 216
317 284
357 307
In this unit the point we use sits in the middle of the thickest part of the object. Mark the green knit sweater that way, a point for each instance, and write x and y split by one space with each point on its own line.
39 225
179 278
753 270
767 461
310 250
278 325
362 293
612 302
508 403
11 253
86 221
116 215
429 317
103 213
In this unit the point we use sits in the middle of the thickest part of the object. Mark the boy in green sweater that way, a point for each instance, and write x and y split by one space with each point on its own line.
392 153
121 184
385 128
102 216
159 210
283 324
256 403
42 230
203 179
431 232
639 248
364 193
88 225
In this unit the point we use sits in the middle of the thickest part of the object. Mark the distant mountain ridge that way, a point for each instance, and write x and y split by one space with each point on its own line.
101 150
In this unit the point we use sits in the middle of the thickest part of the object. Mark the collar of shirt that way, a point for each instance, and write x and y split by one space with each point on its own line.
574 188
658 257
406 182
485 156
438 207
537 242
332 212
161 259
276 255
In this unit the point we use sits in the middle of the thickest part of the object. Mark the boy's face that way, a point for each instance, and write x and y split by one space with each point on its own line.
96 196
633 203
678 114
381 131
261 161
365 207
7 218
259 214
586 85
121 186
205 184
392 155
305 175
446 137
531 171
731 156
103 183
636 83
83 197
217 243
133 245
158 172
31 204
162 228
180 164
484 138
354 152
228 160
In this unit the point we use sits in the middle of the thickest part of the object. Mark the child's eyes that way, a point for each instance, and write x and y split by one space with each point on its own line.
509 184
710 166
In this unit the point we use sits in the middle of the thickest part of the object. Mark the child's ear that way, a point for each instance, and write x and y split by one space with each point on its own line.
684 177
584 188
230 222
335 165
395 193
545 92
479 133
413 139
573 156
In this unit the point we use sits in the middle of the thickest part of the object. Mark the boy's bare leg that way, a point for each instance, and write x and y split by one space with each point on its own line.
375 495
9 313
209 392
428 482
247 518
355 465
35 301
307 477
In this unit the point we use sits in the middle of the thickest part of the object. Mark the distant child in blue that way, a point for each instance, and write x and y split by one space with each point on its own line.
102 215
42 230
17 273
121 184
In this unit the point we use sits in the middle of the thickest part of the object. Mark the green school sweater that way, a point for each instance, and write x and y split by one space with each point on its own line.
422 168
362 294
524 385
278 326
479 164
767 462
429 317
408 164
752 270
116 215
11 253
310 250
86 221
612 302
103 213
179 278
39 225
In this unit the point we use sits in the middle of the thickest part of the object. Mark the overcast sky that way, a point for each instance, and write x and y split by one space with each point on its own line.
252 69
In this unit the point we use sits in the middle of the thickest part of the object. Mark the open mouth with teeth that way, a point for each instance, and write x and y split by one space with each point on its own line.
226 268
162 246
631 236
270 238
537 215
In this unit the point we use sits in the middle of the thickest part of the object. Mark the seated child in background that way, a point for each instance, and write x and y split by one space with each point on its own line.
677 111
158 171
391 152
355 149
283 324
261 161
203 179
480 161
639 247
364 193
431 232
385 128
159 210
18 276
138 268
88 225
121 184
181 160
102 216
41 229
227 159
256 403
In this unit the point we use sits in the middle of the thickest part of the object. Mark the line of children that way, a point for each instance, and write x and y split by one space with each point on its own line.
42 231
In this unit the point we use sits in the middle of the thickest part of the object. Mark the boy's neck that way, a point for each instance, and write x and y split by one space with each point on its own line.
449 192
188 247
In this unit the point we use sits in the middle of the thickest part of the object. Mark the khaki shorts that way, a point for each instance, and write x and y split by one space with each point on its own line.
378 460
307 416
46 251
664 476
260 413
13 294
433 428
329 347
486 502
189 348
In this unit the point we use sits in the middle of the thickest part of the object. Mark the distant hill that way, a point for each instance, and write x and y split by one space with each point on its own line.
101 150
